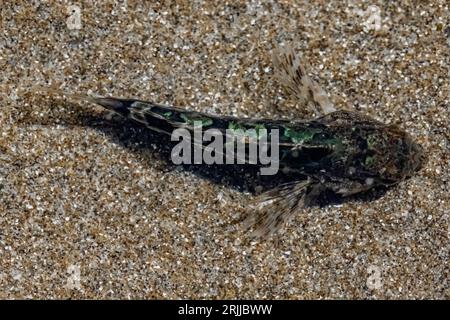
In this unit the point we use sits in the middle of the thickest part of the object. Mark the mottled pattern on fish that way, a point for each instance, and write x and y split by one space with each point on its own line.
341 151
341 144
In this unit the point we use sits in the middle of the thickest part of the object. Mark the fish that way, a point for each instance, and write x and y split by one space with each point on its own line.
339 151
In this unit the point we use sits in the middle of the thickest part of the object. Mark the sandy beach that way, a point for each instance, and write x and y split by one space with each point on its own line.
91 206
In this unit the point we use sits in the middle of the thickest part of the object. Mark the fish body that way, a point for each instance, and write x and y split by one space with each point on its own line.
339 146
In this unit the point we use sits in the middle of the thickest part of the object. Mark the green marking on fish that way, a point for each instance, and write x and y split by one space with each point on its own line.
369 161
235 126
167 114
371 141
298 137
204 121
258 131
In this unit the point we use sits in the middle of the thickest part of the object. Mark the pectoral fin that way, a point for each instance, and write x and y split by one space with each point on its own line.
275 208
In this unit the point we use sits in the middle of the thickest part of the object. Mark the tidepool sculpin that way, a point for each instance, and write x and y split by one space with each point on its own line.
341 151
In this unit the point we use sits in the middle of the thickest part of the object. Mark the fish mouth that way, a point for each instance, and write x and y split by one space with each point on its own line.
414 159
418 157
